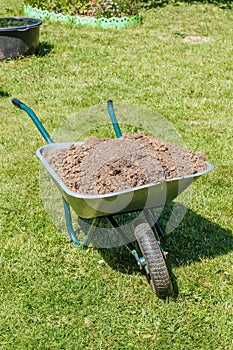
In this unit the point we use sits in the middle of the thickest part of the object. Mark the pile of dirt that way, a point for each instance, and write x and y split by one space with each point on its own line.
101 166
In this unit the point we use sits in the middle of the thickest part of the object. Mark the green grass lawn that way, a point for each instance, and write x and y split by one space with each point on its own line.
54 295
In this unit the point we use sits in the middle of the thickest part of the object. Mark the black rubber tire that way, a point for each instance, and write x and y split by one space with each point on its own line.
155 268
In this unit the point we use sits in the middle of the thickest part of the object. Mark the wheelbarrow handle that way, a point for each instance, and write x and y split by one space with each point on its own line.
113 119
34 118
17 103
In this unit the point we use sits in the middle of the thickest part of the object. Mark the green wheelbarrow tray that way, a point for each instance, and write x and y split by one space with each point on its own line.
153 195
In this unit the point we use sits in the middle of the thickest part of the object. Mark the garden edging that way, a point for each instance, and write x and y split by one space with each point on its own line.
113 22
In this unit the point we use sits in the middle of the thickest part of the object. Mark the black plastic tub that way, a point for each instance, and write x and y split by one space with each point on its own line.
19 36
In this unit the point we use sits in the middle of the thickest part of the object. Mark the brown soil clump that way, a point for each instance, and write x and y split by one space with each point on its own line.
101 166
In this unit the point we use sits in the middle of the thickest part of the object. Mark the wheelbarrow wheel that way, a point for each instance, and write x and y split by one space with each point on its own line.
155 266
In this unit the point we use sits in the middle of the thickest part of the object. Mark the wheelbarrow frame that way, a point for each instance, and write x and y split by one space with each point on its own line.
148 233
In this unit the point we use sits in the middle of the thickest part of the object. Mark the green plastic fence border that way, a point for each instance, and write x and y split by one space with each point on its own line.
113 22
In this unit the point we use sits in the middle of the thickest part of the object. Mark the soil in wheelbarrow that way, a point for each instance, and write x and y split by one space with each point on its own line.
101 166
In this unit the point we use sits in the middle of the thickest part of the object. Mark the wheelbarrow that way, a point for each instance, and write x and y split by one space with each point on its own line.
148 232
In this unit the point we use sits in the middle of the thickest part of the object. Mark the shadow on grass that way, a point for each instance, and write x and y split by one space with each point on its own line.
194 239
152 4
225 4
44 49
4 93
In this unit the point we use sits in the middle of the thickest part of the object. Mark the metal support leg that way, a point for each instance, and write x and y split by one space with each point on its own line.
154 223
71 231
156 227
91 231
140 260
69 225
